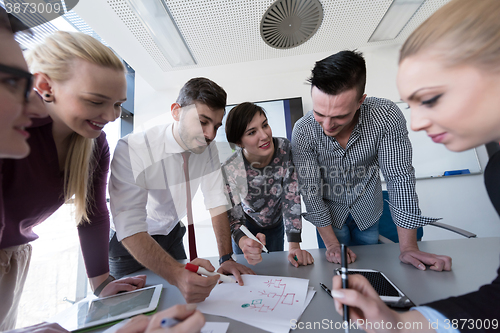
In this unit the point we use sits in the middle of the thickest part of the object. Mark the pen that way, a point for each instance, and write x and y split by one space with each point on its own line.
201 270
343 271
168 322
325 288
251 236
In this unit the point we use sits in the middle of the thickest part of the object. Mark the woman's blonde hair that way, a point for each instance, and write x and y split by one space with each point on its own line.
55 59
461 32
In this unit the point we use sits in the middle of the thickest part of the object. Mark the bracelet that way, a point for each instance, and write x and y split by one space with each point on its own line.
98 290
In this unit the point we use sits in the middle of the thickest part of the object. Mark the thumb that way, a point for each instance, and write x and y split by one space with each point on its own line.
261 237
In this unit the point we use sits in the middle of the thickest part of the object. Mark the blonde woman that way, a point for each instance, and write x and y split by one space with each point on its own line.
83 85
449 74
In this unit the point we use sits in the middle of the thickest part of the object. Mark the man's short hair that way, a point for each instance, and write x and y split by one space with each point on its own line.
340 72
11 23
204 91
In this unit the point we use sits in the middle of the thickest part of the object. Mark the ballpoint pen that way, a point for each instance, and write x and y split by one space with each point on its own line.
249 234
325 288
168 322
343 271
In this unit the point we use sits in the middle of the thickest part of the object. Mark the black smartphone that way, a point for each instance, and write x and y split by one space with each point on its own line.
388 292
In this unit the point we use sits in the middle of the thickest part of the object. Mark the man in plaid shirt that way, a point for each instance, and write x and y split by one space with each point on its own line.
339 149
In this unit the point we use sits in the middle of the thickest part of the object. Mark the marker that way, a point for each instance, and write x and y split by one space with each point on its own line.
251 236
168 322
325 288
343 271
201 270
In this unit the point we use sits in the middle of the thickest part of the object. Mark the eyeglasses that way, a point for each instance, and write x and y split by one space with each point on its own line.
21 84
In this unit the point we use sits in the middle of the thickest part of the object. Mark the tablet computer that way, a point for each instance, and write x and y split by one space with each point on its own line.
106 310
387 290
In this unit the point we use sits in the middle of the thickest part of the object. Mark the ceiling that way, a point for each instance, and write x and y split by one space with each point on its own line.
225 32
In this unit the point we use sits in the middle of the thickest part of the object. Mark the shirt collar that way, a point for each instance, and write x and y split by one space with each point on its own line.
171 145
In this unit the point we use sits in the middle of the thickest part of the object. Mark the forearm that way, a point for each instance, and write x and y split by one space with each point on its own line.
152 256
222 230
407 239
328 236
414 321
97 280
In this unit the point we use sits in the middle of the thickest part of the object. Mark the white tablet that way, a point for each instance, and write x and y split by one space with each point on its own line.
100 311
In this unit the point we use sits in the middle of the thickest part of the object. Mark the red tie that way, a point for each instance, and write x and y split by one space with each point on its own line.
192 239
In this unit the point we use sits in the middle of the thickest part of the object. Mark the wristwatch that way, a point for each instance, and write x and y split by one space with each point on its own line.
226 257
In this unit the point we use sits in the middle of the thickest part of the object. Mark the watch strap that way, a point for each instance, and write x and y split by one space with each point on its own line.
226 257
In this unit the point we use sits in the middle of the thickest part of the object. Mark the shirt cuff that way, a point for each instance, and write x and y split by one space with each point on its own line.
409 220
237 234
294 237
318 220
437 320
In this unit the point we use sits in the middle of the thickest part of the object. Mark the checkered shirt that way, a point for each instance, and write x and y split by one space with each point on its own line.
335 181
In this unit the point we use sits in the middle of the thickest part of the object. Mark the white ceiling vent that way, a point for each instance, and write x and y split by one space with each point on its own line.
289 23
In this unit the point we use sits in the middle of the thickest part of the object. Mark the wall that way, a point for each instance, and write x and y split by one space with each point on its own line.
461 201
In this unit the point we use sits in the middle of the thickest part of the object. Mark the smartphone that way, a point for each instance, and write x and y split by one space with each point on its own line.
388 292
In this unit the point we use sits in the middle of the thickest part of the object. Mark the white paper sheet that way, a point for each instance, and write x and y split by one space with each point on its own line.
267 302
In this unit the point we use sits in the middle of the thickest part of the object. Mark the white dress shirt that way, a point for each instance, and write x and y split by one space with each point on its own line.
147 186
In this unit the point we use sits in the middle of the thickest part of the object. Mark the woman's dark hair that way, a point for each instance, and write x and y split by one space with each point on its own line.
238 119
340 72
11 23
202 90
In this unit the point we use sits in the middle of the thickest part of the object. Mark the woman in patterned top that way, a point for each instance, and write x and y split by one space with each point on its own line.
262 184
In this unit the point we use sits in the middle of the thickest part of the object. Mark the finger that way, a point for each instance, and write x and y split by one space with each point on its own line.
252 244
204 263
447 262
291 259
441 264
261 237
352 255
253 259
194 323
310 258
415 262
237 276
179 312
139 280
136 324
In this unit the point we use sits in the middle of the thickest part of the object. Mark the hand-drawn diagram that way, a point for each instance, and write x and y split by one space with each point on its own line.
271 296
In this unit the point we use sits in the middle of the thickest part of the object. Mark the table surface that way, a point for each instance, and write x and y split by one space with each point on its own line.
475 262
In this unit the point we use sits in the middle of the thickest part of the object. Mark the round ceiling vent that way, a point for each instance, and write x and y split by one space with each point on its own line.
289 23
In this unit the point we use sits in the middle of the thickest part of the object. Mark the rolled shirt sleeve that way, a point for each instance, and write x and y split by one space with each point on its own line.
128 195
395 160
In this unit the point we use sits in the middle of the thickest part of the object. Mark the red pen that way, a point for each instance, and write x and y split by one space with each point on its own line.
201 270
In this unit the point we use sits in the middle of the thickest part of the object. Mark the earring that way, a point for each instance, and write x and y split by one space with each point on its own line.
47 96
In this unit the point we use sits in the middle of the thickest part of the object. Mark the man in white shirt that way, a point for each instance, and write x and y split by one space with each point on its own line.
148 192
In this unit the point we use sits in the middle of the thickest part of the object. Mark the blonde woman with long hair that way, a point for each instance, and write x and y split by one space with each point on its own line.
82 84
449 74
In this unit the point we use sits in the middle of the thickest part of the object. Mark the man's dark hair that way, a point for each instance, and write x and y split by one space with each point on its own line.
11 23
340 72
204 91
238 119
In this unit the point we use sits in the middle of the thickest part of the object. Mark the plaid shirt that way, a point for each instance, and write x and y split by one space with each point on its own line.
335 181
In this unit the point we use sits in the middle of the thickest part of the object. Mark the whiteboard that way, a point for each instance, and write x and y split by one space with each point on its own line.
431 159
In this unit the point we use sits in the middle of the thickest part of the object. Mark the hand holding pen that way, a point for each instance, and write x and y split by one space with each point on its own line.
252 246
180 318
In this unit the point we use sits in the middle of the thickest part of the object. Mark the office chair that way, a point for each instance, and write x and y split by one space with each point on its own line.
388 232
